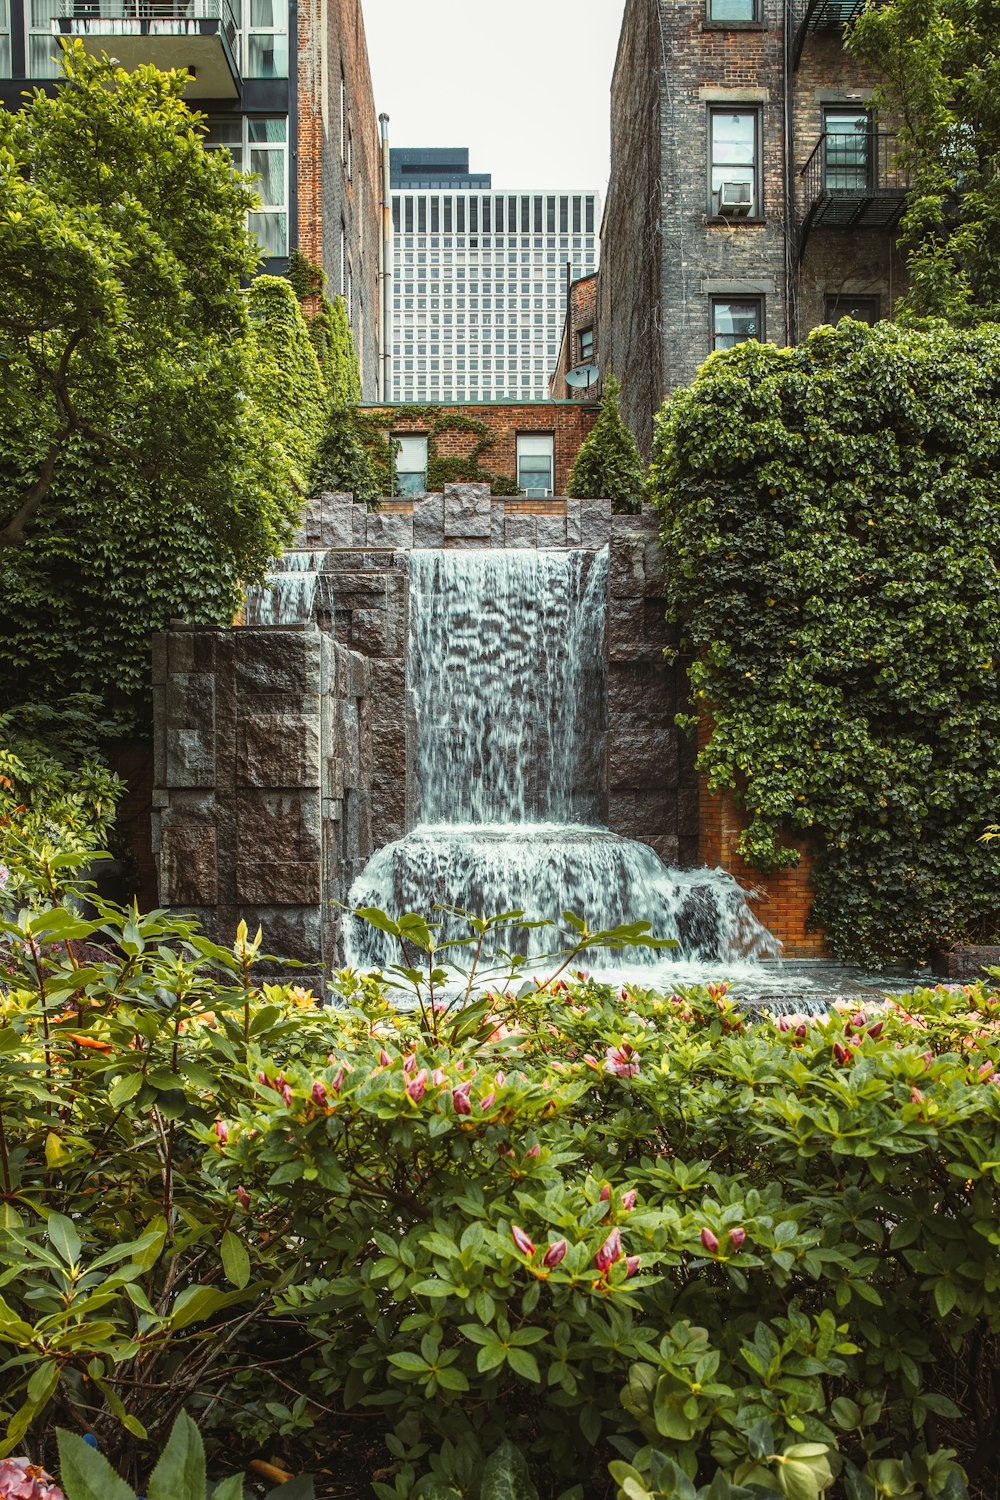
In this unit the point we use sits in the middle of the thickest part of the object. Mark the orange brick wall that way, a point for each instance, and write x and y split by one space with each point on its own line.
570 421
785 895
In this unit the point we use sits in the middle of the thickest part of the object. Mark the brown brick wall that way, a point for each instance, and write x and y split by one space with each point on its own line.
785 897
570 421
332 44
581 313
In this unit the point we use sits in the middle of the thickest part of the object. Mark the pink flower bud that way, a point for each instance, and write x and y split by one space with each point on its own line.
628 1200
338 1081
487 1100
738 1236
534 1150
521 1240
632 1265
606 1193
928 1059
437 1077
609 1252
624 994
384 1059
801 1030
842 1054
242 1197
986 1071
319 1094
709 1241
916 1097
784 1024
460 1101
554 1253
500 1079
261 1077
222 1132
417 1086
876 1031
409 1062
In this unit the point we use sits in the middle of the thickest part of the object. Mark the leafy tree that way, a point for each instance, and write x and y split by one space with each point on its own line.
329 328
608 466
344 462
940 65
833 524
142 475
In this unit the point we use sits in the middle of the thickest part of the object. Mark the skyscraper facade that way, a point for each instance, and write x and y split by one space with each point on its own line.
479 280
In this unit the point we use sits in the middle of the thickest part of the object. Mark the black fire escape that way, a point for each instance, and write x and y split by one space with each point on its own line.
852 182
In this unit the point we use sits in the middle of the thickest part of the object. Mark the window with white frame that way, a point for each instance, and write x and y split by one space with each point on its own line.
733 163
535 462
43 46
4 39
411 463
267 39
259 146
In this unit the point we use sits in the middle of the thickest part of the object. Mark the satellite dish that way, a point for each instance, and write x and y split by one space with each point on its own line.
583 376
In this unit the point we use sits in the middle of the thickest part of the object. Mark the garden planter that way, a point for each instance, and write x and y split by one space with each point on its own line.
966 960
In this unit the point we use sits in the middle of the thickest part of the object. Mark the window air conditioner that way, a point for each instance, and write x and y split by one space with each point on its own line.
735 200
536 492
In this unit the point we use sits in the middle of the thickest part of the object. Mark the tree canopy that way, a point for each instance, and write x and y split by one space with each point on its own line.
939 61
831 520
145 468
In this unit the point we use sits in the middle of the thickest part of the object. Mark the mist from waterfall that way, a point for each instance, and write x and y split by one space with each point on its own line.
507 667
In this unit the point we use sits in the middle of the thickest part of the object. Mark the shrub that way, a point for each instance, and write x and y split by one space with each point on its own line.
344 464
608 466
831 519
522 1237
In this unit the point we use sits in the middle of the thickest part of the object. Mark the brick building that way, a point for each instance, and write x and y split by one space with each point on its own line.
286 88
753 193
532 444
577 346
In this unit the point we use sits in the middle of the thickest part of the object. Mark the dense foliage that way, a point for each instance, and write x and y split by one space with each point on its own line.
289 388
608 466
140 478
519 1240
329 329
939 64
344 463
832 520
442 468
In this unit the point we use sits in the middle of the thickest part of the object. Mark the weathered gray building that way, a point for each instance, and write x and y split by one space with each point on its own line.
753 193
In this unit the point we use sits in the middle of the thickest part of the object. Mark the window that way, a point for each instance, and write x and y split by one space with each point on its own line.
733 158
267 39
4 39
535 459
847 154
723 12
411 463
735 321
861 309
586 337
259 146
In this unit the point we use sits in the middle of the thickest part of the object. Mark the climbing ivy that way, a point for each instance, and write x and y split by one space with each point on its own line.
442 468
329 328
832 519
289 389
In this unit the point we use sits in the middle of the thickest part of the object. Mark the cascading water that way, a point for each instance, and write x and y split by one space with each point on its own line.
506 659
288 594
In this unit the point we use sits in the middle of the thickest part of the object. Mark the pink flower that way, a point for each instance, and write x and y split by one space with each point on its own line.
622 1061
437 1077
222 1131
21 1480
738 1237
842 1054
632 1265
628 1200
606 1193
286 1094
709 1241
609 1252
319 1094
534 1150
876 1031
521 1240
486 1101
385 1060
338 1082
409 1062
460 1099
554 1253
242 1197
262 1078
801 1030
417 1086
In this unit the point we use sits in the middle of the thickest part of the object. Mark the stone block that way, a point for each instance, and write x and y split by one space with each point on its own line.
641 755
394 531
158 655
370 631
289 931
667 846
627 524
688 811
191 650
278 661
189 873
626 568
655 566
278 827
550 531
360 525
278 750
642 690
189 730
388 690
520 530
278 883
573 523
595 522
467 510
497 513
428 521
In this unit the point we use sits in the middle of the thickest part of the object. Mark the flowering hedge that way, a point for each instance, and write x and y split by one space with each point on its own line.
596 1242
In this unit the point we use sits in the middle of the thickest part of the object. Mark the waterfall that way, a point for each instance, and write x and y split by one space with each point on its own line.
506 664
288 594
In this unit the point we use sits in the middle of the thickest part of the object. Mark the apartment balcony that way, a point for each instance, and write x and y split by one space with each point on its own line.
202 36
826 15
852 182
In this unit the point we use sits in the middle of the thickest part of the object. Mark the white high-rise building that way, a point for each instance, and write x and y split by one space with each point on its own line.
479 281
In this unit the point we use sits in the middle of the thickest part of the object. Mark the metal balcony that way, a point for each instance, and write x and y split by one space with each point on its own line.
852 182
826 15
202 36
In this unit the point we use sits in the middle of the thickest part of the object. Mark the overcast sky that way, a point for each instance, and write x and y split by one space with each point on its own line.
523 83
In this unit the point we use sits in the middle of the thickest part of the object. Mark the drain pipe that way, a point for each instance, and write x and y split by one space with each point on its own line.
386 382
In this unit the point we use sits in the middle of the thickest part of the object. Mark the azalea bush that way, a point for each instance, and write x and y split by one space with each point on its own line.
547 1238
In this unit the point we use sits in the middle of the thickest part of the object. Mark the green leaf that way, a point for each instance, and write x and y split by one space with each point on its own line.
86 1474
180 1473
235 1259
522 1363
125 1088
230 1489
505 1475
